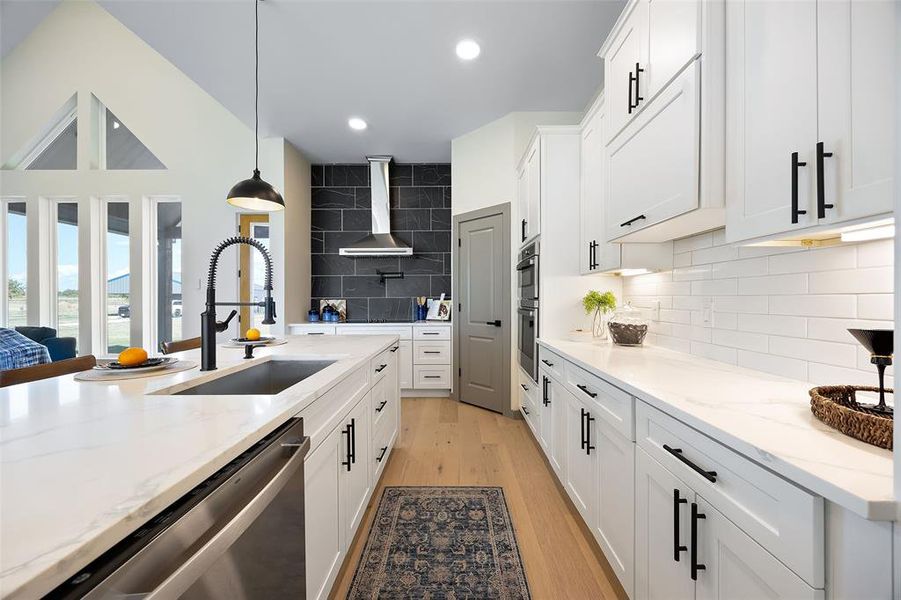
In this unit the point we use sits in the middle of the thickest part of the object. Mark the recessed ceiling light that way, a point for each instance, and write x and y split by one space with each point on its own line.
115 124
468 49
356 123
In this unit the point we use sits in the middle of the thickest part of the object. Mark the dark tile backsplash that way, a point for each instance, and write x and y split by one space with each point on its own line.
420 215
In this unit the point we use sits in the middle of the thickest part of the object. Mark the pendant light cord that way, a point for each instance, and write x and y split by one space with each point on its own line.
256 85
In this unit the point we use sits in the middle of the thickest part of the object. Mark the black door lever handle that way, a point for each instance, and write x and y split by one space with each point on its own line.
496 323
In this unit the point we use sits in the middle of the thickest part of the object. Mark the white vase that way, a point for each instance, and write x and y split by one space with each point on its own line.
599 325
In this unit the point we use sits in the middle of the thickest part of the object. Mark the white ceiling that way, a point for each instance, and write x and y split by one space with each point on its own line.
390 62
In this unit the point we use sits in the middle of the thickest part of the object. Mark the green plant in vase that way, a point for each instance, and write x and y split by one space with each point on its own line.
600 305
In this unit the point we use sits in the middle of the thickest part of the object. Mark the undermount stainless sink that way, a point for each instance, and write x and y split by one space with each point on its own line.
267 378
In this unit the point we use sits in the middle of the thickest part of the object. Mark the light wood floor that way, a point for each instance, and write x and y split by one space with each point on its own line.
443 442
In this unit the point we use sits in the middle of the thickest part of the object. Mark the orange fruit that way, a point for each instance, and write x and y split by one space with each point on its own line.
253 334
132 356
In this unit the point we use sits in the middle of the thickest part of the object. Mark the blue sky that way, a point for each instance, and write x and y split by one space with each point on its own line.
117 252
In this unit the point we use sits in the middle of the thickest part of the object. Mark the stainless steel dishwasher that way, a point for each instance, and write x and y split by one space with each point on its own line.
239 534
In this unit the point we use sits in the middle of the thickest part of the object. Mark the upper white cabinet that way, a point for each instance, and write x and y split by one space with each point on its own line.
664 64
529 191
596 255
810 101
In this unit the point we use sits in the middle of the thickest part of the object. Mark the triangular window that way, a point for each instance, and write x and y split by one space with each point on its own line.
55 147
121 149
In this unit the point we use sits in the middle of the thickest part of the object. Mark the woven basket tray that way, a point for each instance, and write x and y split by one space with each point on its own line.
836 406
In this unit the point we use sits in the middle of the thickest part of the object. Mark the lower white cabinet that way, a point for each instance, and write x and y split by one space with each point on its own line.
341 472
686 549
581 453
615 509
405 364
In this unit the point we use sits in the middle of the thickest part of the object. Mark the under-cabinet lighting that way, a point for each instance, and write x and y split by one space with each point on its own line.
871 233
631 272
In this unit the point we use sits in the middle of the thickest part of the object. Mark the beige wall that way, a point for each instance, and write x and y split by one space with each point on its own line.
80 48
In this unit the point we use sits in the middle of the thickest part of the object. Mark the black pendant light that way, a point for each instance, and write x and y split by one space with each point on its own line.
254 193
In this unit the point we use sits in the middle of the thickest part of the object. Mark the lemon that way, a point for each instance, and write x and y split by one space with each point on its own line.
132 356
253 334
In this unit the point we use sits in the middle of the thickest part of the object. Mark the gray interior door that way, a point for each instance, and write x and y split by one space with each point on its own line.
484 317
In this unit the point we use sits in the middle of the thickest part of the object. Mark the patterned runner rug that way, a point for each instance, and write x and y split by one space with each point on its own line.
446 543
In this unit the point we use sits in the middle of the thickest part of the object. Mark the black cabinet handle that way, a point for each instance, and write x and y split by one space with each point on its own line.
381 405
550 364
316 333
395 349
353 442
585 389
677 549
588 420
380 368
496 322
545 398
638 96
821 181
594 256
631 81
382 454
431 352
523 230
795 210
431 376
430 333
582 419
677 452
695 516
525 410
630 221
523 386
347 463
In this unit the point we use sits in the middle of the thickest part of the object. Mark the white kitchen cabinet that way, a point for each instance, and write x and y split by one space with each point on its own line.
553 423
325 525
310 329
735 566
615 509
529 192
662 570
627 48
581 456
546 418
664 164
800 163
405 364
355 459
595 254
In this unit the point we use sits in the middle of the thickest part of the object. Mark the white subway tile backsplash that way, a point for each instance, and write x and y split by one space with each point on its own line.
781 310
714 287
773 324
809 261
695 242
740 339
815 305
873 280
831 353
876 306
777 365
771 285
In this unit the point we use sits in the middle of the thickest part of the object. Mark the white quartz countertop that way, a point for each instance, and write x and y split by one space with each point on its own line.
378 324
765 417
83 464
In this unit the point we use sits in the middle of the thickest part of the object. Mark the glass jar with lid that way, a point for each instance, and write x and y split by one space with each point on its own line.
628 327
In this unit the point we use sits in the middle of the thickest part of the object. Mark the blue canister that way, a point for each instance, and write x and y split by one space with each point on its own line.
421 312
313 315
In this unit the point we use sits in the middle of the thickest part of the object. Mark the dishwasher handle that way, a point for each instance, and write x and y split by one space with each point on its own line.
194 567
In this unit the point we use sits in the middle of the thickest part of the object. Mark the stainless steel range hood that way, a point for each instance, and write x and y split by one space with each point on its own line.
380 242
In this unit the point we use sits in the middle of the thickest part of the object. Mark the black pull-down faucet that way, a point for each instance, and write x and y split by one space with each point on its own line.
209 326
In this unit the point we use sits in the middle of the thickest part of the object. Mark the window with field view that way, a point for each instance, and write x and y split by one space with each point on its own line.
16 264
67 269
168 271
118 278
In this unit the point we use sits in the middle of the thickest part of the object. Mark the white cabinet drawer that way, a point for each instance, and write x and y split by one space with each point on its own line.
383 365
432 353
431 377
614 405
311 329
781 517
324 414
404 332
431 333
384 401
552 363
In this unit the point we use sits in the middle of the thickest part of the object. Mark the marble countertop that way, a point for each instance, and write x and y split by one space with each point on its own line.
83 464
765 417
380 324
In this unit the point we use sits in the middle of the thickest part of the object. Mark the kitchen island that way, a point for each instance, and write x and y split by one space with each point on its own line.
84 464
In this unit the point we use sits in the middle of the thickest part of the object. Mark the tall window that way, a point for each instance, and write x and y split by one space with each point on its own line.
118 278
168 271
16 267
67 269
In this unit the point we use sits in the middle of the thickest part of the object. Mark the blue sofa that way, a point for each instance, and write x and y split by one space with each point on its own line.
59 348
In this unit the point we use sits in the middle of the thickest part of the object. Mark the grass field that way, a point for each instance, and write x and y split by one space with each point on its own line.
118 328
